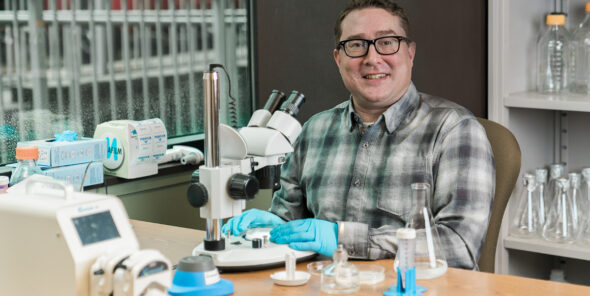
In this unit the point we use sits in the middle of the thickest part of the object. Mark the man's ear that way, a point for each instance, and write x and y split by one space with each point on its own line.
337 57
412 50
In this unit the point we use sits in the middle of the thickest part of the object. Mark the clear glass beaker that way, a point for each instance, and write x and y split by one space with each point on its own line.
429 259
528 219
559 226
540 190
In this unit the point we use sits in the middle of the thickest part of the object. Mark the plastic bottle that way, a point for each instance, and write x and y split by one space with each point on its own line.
27 164
581 40
553 56
404 258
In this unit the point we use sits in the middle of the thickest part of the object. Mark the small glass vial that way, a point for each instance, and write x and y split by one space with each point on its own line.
27 164
340 277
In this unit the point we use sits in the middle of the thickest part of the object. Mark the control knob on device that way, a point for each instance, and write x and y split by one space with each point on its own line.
241 186
197 193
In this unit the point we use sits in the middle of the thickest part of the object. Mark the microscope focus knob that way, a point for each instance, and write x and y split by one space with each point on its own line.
197 194
242 186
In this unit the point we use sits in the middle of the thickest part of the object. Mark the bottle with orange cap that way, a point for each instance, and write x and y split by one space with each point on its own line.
553 56
27 164
582 43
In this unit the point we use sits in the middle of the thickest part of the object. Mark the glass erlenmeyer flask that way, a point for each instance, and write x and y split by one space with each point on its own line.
528 219
584 234
429 259
575 191
541 179
559 226
556 171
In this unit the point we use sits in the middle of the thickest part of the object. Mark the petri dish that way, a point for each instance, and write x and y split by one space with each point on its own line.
371 274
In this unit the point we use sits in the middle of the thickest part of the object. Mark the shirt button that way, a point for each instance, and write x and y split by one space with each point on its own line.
365 145
357 182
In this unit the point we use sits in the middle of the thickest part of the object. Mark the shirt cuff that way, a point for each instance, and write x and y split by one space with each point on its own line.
354 237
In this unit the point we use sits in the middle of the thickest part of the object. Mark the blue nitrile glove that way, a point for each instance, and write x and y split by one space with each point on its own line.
66 136
316 235
251 218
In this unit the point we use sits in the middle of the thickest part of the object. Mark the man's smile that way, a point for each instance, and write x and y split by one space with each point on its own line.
375 76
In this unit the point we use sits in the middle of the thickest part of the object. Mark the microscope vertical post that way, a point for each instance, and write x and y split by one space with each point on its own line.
211 90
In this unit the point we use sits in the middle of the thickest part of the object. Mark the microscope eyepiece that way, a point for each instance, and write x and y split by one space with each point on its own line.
291 106
275 100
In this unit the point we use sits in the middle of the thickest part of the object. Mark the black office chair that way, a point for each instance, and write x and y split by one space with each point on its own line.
507 157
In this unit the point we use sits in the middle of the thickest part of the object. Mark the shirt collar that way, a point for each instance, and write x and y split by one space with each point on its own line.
394 115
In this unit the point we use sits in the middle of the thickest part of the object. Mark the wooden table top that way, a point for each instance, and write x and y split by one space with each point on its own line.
176 242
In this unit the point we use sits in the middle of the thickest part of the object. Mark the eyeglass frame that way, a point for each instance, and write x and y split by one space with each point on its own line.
373 42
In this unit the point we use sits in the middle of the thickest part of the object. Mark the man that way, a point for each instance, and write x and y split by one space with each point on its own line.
348 179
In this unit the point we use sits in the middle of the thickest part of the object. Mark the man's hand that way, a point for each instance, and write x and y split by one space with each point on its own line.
315 235
249 219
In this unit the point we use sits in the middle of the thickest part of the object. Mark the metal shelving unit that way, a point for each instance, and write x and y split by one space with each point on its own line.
549 128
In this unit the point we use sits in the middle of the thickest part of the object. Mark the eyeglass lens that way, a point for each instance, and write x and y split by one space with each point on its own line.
360 47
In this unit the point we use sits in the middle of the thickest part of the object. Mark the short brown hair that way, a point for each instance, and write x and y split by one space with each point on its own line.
388 5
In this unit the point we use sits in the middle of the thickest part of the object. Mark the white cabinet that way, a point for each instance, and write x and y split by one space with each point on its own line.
549 129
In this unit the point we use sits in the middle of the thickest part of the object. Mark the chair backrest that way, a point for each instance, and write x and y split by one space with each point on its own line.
507 157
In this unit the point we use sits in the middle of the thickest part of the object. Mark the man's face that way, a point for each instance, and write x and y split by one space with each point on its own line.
376 81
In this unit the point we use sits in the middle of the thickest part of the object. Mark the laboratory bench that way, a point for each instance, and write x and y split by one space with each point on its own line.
177 242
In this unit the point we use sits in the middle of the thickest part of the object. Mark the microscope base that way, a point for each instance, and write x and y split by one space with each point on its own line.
240 256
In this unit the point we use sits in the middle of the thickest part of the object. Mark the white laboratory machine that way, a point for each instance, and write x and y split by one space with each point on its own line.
53 236
134 148
223 184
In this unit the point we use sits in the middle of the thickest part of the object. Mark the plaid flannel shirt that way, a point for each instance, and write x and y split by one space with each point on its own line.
361 179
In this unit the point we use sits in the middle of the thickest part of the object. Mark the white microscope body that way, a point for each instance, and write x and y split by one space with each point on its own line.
224 183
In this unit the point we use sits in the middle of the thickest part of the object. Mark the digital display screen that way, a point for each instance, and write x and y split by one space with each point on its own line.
96 227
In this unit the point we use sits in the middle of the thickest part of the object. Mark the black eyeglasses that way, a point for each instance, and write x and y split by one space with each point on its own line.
387 45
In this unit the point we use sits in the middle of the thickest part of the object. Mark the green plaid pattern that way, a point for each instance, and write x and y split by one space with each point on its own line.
361 179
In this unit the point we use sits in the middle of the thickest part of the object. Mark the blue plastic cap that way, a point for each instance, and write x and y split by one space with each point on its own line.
193 284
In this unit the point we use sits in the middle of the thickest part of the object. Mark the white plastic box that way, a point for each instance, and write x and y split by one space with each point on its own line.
55 154
73 174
